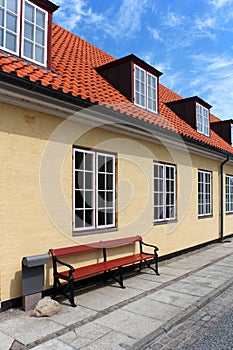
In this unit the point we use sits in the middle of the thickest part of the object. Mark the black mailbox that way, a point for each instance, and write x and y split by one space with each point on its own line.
33 273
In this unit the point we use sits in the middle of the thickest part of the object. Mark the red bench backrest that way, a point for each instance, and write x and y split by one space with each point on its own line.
91 246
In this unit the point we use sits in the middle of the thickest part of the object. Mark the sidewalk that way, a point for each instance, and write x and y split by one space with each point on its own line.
109 317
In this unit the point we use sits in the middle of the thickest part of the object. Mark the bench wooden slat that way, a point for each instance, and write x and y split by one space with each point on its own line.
93 269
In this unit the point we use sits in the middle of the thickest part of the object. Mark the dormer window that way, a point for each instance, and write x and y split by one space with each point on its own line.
25 29
35 33
135 79
145 89
202 120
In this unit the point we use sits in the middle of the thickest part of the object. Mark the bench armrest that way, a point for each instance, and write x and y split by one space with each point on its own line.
150 245
65 264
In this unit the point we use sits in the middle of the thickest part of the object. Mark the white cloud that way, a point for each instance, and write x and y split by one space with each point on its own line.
173 19
71 12
127 20
123 22
153 32
220 3
202 24
214 81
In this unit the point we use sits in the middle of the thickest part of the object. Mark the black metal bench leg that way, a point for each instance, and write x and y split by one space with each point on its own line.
71 298
119 280
55 288
156 266
121 277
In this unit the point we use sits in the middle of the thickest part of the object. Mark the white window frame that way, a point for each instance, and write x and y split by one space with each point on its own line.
105 208
203 119
145 94
229 194
17 34
162 192
45 47
204 196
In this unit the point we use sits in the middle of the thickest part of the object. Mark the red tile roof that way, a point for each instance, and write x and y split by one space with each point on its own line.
73 71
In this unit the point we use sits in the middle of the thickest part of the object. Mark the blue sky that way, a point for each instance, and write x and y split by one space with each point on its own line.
190 41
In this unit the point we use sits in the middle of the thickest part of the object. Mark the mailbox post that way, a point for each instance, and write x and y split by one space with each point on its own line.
33 279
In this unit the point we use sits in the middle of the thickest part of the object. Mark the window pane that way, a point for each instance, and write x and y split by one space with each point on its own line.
89 180
11 41
29 31
101 218
79 214
79 160
40 37
101 181
39 54
1 37
109 198
109 182
109 217
28 49
89 218
2 3
109 165
11 22
79 199
11 5
79 180
88 199
101 163
89 161
101 199
40 18
29 12
1 18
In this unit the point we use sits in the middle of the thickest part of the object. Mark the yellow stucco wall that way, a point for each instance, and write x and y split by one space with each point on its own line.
36 190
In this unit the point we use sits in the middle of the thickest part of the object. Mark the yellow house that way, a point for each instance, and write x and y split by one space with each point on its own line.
95 148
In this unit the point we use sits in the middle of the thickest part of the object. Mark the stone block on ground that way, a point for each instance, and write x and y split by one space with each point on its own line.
45 308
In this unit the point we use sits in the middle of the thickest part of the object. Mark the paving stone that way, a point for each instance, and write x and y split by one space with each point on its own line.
105 297
142 284
6 341
84 335
127 323
172 270
69 315
110 341
153 309
53 344
203 281
188 288
163 278
174 298
28 329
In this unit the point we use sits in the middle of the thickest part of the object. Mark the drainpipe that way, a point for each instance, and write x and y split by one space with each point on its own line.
222 199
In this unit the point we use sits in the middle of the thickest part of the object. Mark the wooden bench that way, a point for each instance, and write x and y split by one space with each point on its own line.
107 264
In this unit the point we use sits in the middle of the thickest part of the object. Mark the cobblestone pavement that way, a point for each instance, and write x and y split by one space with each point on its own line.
191 330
